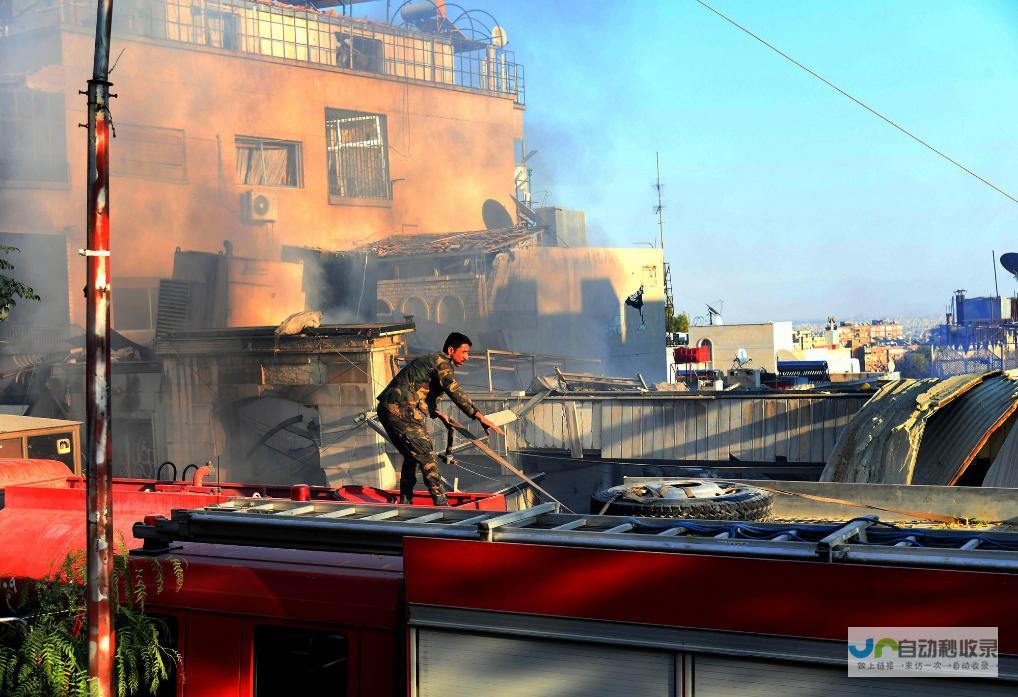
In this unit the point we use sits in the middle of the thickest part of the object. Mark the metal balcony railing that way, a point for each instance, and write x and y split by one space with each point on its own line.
302 35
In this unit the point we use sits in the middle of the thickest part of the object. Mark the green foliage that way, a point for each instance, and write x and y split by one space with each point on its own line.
676 323
44 644
10 288
915 364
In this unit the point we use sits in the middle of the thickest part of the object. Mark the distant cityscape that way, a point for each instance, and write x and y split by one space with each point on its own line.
914 329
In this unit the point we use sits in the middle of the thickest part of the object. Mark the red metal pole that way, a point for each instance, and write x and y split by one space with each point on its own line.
97 366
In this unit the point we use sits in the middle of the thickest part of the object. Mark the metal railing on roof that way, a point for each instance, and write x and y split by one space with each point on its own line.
381 529
302 35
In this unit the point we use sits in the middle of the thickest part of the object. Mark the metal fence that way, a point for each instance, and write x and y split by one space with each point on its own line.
303 35
948 360
689 428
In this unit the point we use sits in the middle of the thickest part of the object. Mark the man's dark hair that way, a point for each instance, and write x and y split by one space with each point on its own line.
455 340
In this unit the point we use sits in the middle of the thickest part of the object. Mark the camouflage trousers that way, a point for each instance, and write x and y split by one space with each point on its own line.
414 444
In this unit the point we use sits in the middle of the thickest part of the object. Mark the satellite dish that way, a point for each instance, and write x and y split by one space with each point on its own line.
498 37
495 216
1010 262
714 316
742 357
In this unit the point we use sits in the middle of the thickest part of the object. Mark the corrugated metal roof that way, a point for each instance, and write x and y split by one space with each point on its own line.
955 434
472 242
9 423
880 445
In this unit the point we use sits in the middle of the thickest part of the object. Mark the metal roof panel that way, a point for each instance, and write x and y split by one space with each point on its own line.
956 433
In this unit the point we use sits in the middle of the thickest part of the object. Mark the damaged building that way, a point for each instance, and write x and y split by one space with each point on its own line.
261 123
272 158
512 291
936 431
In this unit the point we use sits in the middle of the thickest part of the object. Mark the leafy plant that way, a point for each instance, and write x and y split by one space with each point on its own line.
44 643
676 323
10 288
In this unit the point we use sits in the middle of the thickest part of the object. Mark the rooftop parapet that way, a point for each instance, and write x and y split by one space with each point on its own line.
302 35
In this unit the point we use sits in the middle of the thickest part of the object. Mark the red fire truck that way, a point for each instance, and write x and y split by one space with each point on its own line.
304 597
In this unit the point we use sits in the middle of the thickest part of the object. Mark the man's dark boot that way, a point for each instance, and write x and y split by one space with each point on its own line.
440 500
405 500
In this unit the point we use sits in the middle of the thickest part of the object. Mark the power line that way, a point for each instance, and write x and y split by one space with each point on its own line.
859 102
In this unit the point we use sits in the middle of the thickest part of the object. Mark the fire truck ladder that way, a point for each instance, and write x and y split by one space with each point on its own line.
341 527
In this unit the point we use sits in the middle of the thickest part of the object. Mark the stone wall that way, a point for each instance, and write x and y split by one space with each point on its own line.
447 300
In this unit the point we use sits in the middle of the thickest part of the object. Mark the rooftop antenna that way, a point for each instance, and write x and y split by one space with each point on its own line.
659 210
660 207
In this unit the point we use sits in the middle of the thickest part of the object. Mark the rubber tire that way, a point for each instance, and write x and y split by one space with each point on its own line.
749 503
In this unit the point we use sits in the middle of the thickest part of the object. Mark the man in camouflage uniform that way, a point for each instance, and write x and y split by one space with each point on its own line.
410 398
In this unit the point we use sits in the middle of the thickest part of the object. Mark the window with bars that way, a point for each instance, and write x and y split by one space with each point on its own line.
32 135
266 162
357 154
149 152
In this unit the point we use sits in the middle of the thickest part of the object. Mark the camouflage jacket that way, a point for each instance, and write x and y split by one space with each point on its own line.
413 394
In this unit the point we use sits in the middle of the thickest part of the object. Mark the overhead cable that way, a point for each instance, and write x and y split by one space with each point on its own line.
858 101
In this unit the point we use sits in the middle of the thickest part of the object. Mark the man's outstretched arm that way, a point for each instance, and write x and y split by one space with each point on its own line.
460 398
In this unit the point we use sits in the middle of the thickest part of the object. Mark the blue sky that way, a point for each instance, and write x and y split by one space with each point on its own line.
783 198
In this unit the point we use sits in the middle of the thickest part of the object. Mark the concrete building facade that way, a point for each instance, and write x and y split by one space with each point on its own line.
874 332
761 342
258 123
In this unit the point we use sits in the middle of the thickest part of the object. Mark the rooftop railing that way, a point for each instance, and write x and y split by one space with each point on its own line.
302 35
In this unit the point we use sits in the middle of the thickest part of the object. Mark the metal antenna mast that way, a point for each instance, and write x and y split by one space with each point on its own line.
659 209
993 258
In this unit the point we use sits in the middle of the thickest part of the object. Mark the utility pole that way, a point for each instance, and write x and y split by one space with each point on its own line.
99 515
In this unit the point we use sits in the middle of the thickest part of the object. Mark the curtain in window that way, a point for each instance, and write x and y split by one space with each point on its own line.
266 163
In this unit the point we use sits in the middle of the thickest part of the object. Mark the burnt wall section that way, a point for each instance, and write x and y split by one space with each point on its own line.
139 436
279 409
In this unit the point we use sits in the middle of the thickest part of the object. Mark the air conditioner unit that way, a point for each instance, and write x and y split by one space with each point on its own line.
258 207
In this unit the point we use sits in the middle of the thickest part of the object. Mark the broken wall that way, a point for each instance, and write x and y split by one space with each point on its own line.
276 410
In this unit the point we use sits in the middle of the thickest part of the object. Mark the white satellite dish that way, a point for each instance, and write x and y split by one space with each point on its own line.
742 357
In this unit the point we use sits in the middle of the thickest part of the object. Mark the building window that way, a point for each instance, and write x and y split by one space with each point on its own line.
222 29
265 162
294 661
383 310
358 155
32 135
360 53
149 152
